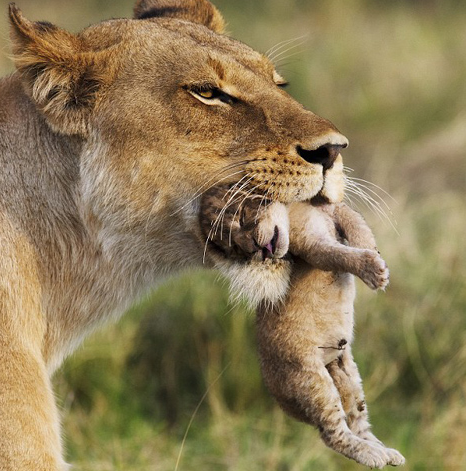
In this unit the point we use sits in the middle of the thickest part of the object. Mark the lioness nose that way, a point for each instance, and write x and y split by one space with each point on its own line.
324 154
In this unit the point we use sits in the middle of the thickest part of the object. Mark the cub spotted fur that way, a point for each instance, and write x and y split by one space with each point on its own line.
304 341
107 137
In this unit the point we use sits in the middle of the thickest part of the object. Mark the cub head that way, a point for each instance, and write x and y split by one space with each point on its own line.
164 106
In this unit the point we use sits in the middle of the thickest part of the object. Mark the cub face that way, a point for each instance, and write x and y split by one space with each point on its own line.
164 106
248 236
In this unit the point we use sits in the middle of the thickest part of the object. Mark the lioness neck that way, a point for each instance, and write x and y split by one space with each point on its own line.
83 280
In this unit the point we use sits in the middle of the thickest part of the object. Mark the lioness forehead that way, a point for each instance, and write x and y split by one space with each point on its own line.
172 38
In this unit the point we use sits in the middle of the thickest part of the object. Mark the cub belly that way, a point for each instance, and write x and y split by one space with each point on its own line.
316 319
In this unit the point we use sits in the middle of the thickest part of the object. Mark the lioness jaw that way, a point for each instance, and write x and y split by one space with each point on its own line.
107 139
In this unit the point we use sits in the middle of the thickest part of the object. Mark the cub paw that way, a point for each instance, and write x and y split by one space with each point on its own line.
373 270
365 452
374 456
396 458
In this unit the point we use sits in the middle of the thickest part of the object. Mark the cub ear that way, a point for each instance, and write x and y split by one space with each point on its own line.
57 73
196 11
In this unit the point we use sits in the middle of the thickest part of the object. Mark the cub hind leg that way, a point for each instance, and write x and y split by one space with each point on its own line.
308 393
345 375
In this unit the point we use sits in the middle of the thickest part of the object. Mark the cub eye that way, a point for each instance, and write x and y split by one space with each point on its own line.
211 95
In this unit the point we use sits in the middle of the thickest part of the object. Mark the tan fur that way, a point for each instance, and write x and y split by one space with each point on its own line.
107 138
305 341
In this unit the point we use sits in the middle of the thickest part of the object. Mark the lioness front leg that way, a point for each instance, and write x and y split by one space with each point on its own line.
29 423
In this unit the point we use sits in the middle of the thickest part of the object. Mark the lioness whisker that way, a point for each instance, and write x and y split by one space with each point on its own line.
365 186
246 196
282 44
279 63
214 229
369 201
234 187
233 199
350 170
277 50
238 186
352 202
205 186
282 54
215 224
264 201
366 199
229 202
376 195
361 190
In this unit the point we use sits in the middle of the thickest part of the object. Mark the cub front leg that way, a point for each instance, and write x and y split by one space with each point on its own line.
314 240
354 227
373 271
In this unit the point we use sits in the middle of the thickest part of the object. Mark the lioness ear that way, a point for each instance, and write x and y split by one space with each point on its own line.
59 76
196 11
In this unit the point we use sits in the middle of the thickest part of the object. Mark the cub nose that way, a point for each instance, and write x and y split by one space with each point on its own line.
324 154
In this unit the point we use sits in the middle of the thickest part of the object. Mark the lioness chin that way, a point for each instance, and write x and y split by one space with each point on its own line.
107 138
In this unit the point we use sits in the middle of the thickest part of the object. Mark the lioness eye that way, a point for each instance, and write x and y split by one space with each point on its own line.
216 94
206 94
211 94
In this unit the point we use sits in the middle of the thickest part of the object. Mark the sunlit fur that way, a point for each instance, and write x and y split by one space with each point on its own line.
105 146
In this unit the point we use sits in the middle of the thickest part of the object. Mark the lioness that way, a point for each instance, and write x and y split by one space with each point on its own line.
305 341
107 137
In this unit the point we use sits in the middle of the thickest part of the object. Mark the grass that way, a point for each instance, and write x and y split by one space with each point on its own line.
392 76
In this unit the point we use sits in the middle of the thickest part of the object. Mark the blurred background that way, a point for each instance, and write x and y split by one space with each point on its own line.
176 384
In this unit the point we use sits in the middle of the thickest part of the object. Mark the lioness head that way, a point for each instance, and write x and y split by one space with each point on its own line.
163 106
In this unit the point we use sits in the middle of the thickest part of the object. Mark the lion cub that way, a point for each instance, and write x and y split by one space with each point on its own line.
304 342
